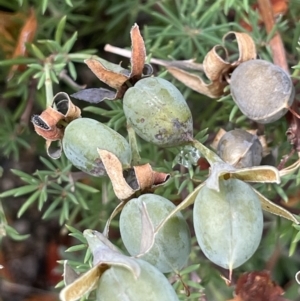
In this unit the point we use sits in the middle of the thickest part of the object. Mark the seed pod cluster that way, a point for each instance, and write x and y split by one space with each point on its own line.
261 90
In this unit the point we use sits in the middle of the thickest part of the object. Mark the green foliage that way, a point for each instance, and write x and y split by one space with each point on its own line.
12 135
55 185
71 31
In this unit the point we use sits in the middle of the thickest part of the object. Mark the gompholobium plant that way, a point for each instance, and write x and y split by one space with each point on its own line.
227 209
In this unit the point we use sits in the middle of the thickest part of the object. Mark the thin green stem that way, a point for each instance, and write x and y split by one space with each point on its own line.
81 56
136 158
48 84
3 222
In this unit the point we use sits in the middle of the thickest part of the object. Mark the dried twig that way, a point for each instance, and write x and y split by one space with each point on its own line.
276 43
185 64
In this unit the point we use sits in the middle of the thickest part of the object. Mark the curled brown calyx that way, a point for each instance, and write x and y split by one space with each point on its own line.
216 68
114 75
137 179
51 123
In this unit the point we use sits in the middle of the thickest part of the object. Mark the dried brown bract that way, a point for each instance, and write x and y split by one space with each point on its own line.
114 75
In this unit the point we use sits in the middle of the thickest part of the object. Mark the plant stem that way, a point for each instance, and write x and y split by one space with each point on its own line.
136 158
185 64
48 84
81 56
276 44
24 119
69 81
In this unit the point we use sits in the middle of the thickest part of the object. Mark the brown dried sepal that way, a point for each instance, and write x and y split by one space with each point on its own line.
51 123
257 286
111 78
115 76
65 106
149 179
46 124
137 179
114 170
217 69
138 55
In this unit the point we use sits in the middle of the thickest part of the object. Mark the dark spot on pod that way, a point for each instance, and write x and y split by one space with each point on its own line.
98 168
177 124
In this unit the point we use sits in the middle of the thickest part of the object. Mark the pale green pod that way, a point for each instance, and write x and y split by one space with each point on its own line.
261 90
172 244
240 149
84 136
158 112
119 284
229 223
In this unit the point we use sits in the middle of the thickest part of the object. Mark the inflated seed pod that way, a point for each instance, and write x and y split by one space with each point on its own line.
240 149
81 139
261 90
158 112
119 284
172 244
229 223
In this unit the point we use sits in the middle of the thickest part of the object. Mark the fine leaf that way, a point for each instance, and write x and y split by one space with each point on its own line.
69 44
28 203
60 29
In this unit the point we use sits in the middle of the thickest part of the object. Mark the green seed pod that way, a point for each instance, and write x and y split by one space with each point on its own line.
261 90
229 223
81 139
158 112
172 244
240 149
119 284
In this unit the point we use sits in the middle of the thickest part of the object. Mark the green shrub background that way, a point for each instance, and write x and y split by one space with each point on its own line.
34 187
